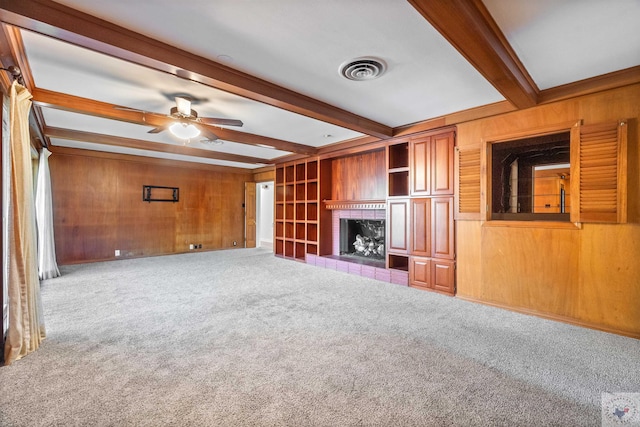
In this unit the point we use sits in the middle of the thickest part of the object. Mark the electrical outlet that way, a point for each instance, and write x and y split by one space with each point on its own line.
235 243
199 245
191 247
117 252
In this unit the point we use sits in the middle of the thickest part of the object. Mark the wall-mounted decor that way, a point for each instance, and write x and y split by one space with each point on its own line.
154 193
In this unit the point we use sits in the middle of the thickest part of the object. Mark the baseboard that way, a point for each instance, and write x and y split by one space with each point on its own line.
555 317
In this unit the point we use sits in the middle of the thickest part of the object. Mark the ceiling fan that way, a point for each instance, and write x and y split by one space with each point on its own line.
188 125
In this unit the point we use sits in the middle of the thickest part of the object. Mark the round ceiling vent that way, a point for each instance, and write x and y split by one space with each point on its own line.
360 69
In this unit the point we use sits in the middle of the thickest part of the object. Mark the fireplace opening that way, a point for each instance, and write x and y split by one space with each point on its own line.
362 238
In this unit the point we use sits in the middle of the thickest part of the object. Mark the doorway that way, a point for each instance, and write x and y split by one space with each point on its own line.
264 215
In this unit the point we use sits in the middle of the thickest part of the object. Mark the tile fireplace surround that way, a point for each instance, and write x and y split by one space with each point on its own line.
332 262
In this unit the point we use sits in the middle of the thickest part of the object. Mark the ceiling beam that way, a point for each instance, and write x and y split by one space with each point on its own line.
61 101
70 25
96 138
469 27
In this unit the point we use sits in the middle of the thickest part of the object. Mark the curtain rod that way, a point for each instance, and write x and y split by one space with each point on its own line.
15 72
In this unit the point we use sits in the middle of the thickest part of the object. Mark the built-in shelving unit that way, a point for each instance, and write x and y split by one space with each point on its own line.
297 209
420 224
398 169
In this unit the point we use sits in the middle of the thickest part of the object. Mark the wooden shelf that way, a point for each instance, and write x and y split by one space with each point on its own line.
297 211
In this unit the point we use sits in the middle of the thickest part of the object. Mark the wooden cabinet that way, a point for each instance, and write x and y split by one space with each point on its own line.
432 249
442 228
432 164
398 226
421 227
443 276
420 204
420 272
432 274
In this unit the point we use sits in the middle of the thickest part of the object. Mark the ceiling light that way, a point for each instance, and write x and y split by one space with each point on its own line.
184 130
365 68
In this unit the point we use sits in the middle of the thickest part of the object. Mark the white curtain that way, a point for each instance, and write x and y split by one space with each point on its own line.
26 322
47 265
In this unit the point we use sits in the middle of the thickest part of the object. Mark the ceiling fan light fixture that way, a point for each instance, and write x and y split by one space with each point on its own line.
184 130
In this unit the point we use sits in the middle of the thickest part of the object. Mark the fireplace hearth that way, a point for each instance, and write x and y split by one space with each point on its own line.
362 238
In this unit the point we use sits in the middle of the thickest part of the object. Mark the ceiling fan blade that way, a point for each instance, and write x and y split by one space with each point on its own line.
159 129
205 132
225 122
183 105
117 107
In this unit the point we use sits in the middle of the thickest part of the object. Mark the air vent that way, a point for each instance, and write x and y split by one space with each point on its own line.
363 69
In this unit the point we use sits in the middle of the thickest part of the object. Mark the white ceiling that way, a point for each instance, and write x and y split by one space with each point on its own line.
300 44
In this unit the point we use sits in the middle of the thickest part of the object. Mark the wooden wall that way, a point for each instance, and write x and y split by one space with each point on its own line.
359 177
98 207
588 275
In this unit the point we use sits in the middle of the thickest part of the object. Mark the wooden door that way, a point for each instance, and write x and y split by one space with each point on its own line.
442 162
420 272
442 228
397 223
421 227
420 158
249 214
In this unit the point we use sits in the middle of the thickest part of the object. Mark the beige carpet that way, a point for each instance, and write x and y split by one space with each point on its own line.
242 338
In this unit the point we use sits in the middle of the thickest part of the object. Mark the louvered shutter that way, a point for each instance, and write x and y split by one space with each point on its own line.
599 173
468 183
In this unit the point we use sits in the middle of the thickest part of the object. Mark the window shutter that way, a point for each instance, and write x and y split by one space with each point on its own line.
599 173
468 194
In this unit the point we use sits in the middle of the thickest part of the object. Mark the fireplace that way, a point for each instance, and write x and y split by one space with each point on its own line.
362 238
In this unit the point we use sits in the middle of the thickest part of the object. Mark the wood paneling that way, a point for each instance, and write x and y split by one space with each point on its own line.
587 275
359 177
98 208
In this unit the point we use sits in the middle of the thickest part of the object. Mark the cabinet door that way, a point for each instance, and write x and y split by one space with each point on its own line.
421 227
442 228
442 161
398 226
420 156
443 277
420 272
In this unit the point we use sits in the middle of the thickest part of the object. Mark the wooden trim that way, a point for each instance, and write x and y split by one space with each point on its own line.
549 316
70 25
530 132
355 204
95 138
61 101
591 85
453 119
469 27
373 146
346 145
141 159
533 224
